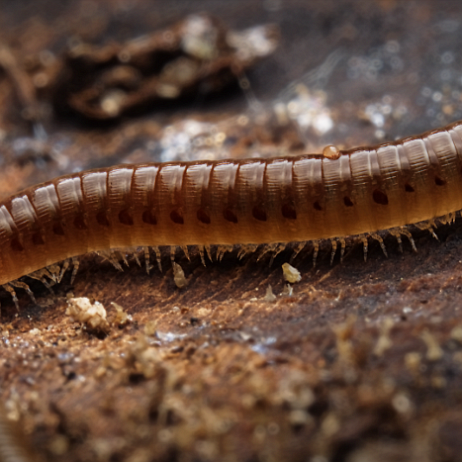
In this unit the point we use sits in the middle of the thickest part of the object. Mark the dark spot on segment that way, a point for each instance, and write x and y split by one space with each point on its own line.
380 197
347 201
149 218
259 213
177 217
37 239
79 221
58 229
16 245
439 181
203 216
408 188
125 218
229 215
317 206
288 211
101 218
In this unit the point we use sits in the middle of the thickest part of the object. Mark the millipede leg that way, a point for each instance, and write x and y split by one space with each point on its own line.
429 226
266 249
64 268
23 285
111 256
53 272
448 219
147 259
365 242
280 248
397 235
75 264
202 253
315 253
209 252
172 253
122 256
434 235
158 257
408 234
41 275
334 250
12 292
297 250
184 248
135 256
222 249
342 249
379 239
246 249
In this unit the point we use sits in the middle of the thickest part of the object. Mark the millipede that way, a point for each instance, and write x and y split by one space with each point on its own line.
330 196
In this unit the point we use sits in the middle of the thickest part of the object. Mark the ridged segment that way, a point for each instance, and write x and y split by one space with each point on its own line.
251 201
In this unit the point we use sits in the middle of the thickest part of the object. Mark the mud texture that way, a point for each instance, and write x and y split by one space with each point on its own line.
359 361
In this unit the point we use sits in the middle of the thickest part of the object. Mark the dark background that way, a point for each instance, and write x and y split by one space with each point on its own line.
362 362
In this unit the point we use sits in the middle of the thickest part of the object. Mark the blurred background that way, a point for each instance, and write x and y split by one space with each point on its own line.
361 362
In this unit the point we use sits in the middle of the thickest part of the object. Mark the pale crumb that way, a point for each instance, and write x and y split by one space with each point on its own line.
300 417
438 382
178 276
330 425
269 296
434 351
34 331
402 403
287 291
456 334
413 361
150 328
291 274
122 318
202 312
384 342
81 310
59 445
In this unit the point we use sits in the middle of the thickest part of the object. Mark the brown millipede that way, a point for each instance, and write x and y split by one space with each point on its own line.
255 201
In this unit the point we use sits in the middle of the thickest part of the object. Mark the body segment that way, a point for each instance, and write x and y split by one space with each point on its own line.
252 201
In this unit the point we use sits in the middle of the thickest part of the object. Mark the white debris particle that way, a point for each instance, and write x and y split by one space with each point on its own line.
287 291
178 275
384 341
434 351
169 336
269 296
307 109
402 403
122 318
81 310
456 334
291 274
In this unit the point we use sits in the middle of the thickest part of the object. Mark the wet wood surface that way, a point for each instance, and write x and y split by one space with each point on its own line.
361 361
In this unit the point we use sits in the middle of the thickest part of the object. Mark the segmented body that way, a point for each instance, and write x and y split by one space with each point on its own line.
254 201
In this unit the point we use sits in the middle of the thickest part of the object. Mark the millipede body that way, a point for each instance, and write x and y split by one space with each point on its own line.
254 201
